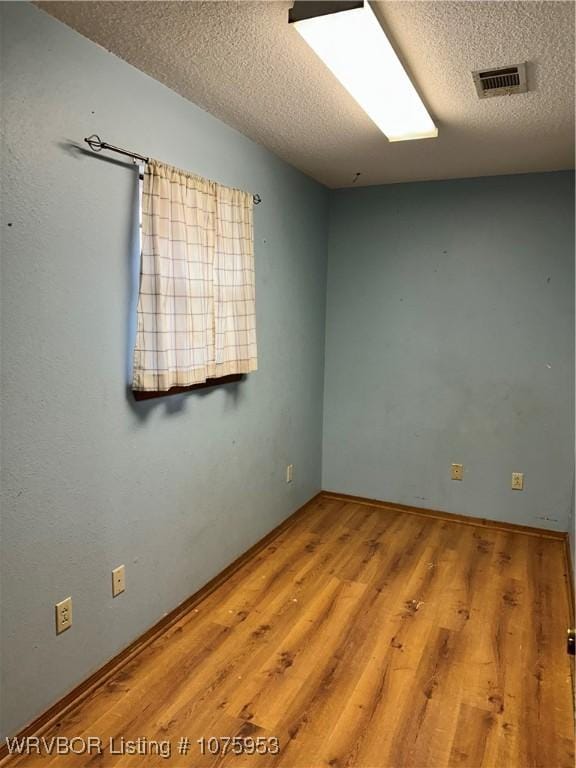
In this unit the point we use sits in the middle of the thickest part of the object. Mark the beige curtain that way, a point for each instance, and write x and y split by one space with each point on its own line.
196 307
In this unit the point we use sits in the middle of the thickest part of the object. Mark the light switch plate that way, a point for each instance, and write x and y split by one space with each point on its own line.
289 473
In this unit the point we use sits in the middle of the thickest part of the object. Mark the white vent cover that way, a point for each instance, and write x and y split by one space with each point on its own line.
503 81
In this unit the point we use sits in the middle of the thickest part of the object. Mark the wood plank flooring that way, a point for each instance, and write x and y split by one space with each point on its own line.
360 637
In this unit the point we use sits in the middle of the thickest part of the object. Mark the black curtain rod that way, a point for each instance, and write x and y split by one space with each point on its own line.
97 145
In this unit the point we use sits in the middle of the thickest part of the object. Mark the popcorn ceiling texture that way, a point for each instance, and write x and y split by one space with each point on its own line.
243 63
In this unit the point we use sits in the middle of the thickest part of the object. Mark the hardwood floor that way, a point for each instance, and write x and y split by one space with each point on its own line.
363 637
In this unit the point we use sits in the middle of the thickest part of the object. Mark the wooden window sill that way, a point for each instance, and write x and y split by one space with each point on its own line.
138 395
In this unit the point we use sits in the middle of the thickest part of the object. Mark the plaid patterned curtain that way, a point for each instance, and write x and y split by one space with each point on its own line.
196 307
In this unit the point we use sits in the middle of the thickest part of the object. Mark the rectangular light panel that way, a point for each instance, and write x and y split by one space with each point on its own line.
355 49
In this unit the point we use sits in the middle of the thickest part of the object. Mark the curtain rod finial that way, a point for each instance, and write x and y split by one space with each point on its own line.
94 142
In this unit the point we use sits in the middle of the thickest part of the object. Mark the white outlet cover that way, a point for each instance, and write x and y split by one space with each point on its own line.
118 580
517 481
63 615
457 472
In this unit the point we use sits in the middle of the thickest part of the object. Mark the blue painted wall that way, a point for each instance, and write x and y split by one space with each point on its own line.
450 338
174 489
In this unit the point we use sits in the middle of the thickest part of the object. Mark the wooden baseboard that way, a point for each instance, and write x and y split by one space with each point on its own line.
571 609
98 678
435 513
570 577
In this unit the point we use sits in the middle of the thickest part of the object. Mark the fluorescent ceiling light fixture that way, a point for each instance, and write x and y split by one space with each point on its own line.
355 49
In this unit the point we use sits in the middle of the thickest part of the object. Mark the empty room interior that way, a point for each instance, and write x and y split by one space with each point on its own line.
287 384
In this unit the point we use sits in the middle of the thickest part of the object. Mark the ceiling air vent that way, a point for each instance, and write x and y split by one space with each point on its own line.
503 81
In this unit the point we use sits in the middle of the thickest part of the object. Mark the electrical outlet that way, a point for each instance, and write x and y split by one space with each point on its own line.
63 615
118 580
457 472
289 473
517 481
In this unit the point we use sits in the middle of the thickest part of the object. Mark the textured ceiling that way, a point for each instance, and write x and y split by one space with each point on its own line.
244 64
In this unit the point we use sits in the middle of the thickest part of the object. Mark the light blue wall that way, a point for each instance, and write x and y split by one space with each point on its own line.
175 489
450 323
